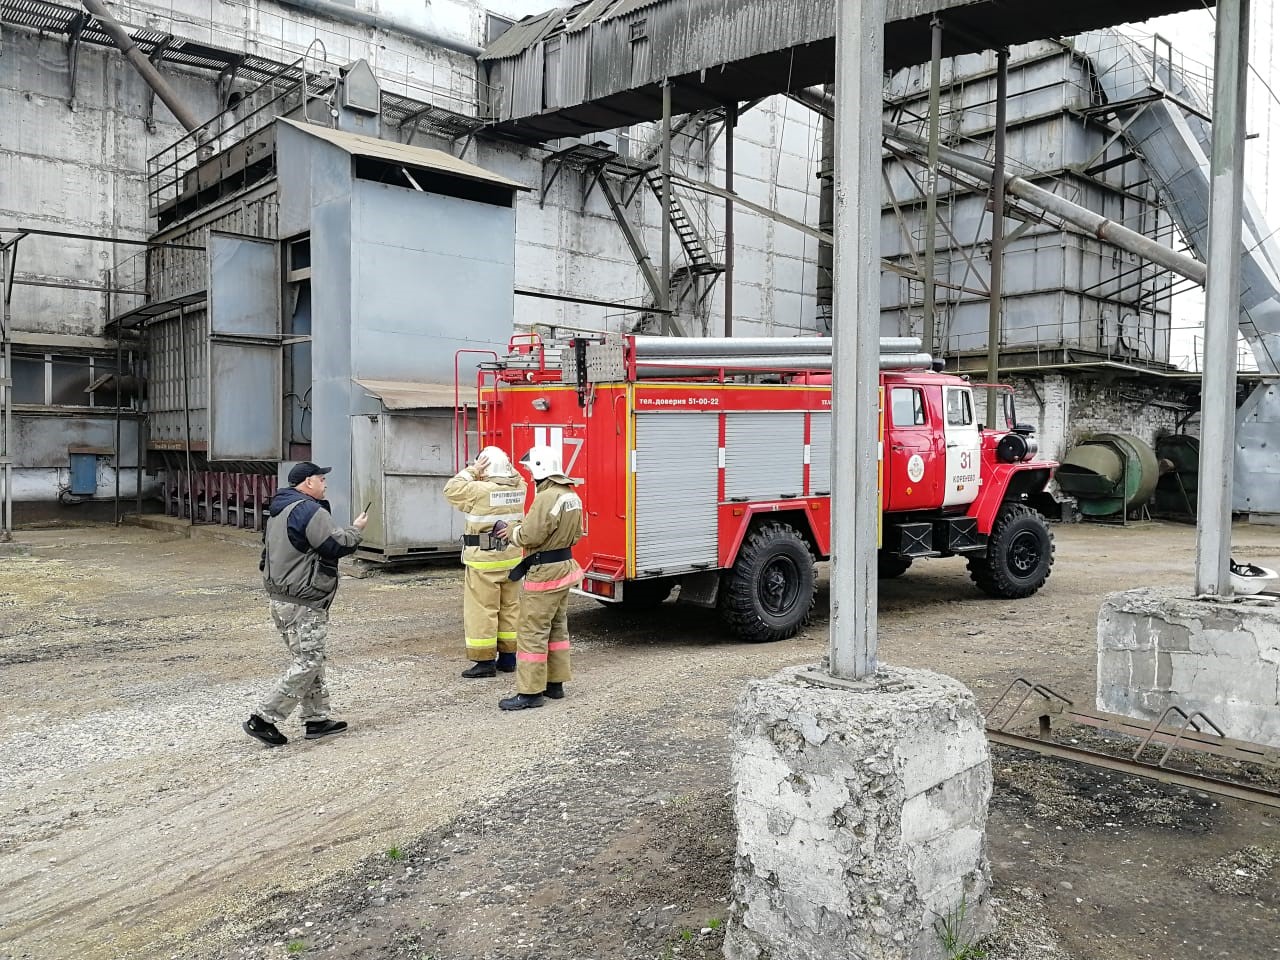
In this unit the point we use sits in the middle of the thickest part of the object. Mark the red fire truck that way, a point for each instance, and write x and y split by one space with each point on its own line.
712 471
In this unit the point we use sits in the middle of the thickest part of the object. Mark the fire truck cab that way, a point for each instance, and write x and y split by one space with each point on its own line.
717 479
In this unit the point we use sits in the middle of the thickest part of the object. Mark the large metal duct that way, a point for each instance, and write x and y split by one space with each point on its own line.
1109 473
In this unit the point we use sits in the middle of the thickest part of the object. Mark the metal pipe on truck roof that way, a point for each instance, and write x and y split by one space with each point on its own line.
658 347
711 366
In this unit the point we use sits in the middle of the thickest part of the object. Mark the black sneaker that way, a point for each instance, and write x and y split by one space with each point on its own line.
481 670
521 701
259 729
554 691
324 728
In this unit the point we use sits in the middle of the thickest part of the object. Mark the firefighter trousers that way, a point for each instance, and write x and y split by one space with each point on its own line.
542 648
490 613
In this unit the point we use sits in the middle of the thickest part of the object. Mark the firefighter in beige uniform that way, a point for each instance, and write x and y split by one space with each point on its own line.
547 534
489 492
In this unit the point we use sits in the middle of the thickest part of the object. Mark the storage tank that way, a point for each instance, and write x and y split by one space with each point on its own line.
1109 473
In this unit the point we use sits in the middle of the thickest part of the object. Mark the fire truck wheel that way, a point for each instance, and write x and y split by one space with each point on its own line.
1019 555
642 595
888 566
768 594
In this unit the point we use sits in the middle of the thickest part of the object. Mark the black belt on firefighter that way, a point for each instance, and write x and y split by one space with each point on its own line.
485 541
537 559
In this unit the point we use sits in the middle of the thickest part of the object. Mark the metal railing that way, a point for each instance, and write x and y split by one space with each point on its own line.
1046 344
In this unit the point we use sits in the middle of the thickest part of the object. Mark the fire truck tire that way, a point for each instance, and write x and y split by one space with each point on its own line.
642 595
768 594
888 566
1019 555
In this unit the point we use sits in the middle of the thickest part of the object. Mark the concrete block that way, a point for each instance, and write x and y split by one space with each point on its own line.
861 817
1159 648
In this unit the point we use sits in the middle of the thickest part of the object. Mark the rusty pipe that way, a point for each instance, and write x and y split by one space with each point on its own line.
154 78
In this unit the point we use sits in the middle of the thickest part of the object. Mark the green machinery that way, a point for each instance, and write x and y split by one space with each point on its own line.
1109 474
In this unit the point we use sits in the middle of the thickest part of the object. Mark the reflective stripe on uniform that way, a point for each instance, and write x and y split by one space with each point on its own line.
492 564
558 645
531 657
506 634
487 643
568 580
494 517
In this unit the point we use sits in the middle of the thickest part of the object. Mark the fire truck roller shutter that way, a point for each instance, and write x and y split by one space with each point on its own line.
763 455
820 453
676 483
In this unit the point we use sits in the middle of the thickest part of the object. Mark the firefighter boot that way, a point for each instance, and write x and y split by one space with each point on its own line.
554 691
521 701
480 670
507 662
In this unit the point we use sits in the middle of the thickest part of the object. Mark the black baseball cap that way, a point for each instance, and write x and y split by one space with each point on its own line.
303 470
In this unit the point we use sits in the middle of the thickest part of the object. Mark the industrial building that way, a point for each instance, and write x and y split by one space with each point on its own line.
361 196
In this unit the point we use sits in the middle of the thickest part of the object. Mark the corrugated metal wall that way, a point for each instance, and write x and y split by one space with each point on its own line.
177 273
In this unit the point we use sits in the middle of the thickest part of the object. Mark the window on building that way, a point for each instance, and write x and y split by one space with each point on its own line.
69 383
496 26
908 407
28 379
63 380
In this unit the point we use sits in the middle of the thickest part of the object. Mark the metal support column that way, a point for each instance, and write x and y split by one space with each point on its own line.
186 412
855 501
931 198
730 121
7 251
997 233
1222 300
664 299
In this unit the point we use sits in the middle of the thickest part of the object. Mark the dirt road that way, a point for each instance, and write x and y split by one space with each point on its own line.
137 820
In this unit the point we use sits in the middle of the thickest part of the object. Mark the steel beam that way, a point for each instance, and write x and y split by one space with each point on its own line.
931 193
996 300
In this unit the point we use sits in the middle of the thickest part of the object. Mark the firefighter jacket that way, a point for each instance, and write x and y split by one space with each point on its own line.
554 522
485 502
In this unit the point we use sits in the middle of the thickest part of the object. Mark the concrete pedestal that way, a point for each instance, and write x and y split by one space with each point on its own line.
861 812
1157 649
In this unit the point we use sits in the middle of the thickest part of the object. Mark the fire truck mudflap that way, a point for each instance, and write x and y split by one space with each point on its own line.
719 482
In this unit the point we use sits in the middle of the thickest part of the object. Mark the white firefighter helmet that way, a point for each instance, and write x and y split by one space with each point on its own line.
543 462
499 462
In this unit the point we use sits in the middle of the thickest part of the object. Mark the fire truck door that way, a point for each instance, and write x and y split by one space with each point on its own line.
914 479
964 447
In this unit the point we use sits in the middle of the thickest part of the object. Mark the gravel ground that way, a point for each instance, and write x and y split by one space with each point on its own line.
137 820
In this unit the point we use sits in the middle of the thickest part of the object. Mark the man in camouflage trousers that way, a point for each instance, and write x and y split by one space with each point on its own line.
488 492
302 546
547 534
